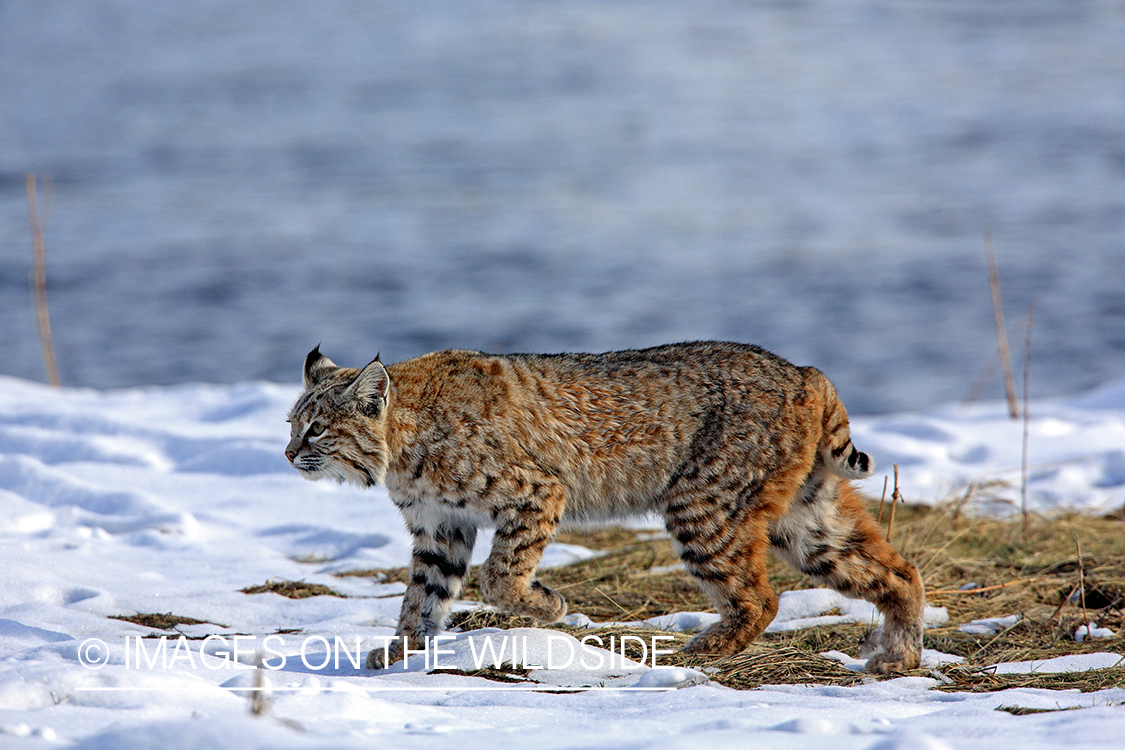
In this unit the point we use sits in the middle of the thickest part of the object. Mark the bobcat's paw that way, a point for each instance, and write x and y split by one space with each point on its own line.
381 658
721 639
550 607
883 664
514 597
893 649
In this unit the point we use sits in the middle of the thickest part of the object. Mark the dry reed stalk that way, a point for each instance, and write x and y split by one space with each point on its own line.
882 500
1082 583
259 701
40 276
1026 418
1001 330
895 498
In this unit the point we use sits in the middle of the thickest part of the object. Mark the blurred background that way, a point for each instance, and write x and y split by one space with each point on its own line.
234 182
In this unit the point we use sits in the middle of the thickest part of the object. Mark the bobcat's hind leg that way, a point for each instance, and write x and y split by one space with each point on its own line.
735 581
719 515
440 559
523 529
727 556
828 535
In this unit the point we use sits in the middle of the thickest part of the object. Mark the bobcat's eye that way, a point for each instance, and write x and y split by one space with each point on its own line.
316 429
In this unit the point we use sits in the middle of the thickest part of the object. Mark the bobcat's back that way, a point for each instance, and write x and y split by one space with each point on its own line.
616 429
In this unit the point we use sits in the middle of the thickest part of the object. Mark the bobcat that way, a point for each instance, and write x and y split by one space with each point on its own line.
738 450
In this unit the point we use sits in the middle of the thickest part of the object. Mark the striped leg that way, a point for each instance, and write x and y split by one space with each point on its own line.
719 515
441 556
725 550
828 535
523 530
732 572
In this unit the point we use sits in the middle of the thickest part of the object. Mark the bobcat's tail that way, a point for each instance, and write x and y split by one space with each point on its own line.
836 449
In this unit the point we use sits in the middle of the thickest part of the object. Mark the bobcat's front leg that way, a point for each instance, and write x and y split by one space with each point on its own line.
523 530
440 559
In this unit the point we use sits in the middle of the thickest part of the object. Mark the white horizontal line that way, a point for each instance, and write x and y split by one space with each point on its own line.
521 688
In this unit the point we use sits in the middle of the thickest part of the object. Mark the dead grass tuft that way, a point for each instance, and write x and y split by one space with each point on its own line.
1024 711
292 589
480 618
166 621
969 680
507 673
780 665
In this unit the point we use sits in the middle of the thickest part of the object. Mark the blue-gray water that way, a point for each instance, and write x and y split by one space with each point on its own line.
235 182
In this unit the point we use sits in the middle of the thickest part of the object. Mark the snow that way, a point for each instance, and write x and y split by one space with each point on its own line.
795 610
1074 663
989 625
1075 461
157 500
1091 630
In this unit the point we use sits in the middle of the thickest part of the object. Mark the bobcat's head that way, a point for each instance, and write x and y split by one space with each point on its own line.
337 427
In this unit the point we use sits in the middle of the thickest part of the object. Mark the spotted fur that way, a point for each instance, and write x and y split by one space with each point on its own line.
739 451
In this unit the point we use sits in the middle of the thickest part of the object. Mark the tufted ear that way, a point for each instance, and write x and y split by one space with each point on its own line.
369 389
316 367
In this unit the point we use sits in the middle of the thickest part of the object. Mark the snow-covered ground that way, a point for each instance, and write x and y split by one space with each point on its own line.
174 499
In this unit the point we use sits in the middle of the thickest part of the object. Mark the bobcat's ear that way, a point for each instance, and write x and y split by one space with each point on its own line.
369 390
316 367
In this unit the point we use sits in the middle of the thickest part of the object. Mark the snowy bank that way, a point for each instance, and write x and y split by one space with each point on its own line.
1075 457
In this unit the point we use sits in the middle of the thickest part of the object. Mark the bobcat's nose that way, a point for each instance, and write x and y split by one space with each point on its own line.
292 448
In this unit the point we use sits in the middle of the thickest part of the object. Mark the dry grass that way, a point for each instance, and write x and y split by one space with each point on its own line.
1034 573
970 680
166 621
506 672
292 589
